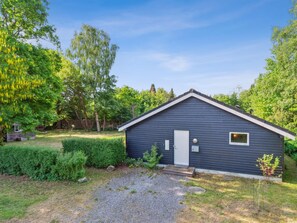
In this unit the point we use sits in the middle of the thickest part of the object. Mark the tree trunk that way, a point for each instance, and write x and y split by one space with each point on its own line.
97 122
133 110
81 120
104 122
1 136
82 104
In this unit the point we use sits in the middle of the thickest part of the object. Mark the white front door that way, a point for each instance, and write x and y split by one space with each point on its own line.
181 147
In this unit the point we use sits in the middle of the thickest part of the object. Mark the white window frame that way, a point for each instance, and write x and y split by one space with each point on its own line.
239 143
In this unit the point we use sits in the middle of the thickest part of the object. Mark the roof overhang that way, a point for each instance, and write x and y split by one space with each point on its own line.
213 102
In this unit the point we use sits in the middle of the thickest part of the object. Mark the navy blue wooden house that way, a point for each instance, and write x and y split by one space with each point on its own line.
198 131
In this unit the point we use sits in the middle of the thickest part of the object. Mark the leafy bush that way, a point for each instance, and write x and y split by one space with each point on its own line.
152 159
36 162
294 157
70 166
267 165
100 152
290 147
131 162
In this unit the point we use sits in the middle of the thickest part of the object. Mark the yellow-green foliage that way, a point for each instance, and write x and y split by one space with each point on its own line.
15 82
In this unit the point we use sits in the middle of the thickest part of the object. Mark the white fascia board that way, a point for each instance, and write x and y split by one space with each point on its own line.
218 105
162 108
246 117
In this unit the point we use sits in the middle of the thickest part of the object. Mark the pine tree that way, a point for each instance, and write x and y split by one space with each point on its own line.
171 94
153 89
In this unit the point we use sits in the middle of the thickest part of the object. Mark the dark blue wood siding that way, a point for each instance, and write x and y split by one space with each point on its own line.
211 126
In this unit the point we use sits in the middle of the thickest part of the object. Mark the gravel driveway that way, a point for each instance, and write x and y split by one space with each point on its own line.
139 196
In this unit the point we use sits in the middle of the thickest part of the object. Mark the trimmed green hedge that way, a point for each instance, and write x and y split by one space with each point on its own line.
41 163
100 152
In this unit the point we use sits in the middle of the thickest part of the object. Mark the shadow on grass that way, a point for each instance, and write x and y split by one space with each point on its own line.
234 199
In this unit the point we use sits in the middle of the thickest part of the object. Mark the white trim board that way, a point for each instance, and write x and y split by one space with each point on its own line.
214 103
243 175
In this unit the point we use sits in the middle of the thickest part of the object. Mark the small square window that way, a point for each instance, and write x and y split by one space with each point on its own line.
239 138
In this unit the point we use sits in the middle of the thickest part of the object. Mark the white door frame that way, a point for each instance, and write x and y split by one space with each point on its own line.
181 147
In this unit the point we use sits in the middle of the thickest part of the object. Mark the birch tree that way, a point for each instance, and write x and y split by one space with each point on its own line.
94 55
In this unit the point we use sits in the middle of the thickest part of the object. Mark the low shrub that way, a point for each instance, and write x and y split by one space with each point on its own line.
132 162
152 159
268 164
38 163
100 152
70 166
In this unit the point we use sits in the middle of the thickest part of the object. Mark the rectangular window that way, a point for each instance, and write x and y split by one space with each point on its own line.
239 138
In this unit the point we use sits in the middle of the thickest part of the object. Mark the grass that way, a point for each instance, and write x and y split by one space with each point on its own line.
53 139
17 194
227 199
235 199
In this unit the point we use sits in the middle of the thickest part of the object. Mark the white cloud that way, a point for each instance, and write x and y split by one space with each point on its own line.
175 63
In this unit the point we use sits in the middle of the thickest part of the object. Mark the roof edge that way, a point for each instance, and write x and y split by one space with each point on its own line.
233 110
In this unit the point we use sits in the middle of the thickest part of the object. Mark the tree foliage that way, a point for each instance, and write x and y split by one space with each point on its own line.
273 96
29 88
74 102
15 81
128 102
27 20
274 93
33 106
94 55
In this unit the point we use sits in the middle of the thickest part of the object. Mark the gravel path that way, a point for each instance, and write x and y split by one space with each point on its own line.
139 196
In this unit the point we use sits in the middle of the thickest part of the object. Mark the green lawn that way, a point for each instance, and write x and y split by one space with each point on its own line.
228 199
19 193
53 139
231 199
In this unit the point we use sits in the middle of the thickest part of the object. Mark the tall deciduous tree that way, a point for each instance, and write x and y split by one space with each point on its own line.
15 82
27 20
274 93
94 55
74 102
40 107
29 88
128 101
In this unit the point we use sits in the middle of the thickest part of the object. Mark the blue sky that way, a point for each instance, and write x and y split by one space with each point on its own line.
212 46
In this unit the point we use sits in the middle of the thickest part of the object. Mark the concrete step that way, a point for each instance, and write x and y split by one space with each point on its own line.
180 171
